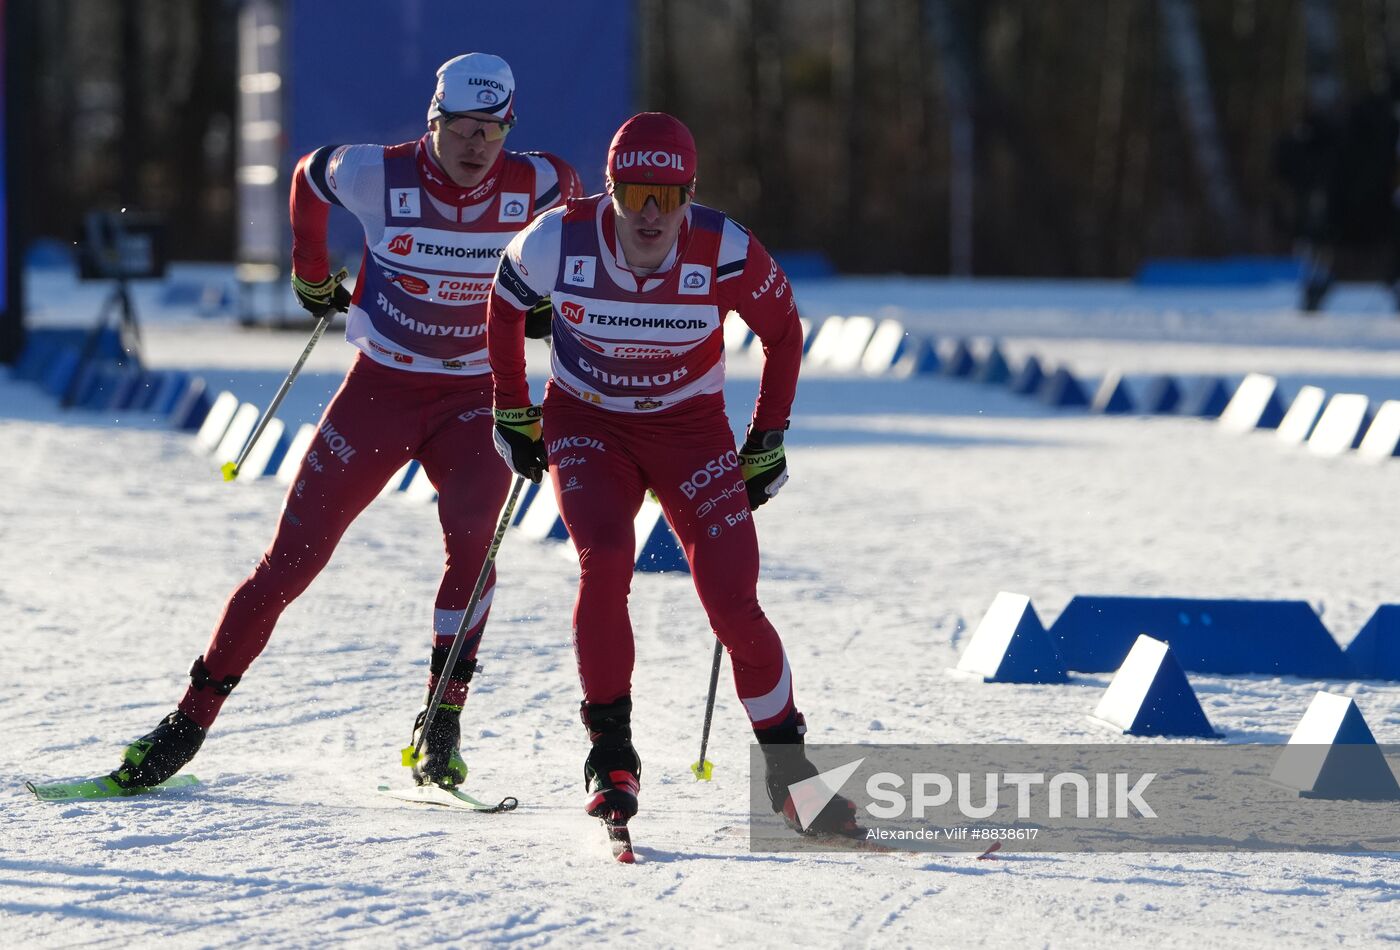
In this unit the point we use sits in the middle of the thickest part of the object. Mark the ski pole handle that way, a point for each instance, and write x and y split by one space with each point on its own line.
231 469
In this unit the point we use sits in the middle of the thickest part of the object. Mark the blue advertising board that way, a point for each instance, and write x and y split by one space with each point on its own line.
363 71
4 171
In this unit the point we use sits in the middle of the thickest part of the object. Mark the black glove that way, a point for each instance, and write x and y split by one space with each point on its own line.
324 297
763 464
539 320
518 441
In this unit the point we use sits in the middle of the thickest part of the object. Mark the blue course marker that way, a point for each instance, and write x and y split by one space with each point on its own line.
1160 396
1274 637
1028 378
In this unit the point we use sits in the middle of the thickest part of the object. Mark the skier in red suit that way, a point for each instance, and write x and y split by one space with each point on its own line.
436 213
640 280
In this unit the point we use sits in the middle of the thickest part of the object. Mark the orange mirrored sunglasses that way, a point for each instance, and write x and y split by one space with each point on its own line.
634 196
466 125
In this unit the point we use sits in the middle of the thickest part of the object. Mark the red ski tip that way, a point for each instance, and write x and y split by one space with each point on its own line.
990 853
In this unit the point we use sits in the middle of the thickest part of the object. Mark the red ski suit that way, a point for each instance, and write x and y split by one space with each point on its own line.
636 401
419 389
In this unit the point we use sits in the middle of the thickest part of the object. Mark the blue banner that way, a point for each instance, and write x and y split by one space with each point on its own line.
363 71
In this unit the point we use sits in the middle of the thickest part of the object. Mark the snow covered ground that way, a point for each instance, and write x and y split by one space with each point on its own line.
911 504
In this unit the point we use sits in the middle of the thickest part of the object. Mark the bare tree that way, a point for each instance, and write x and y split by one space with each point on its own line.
950 36
1376 40
1108 132
133 116
767 133
848 55
657 55
1320 55
1197 103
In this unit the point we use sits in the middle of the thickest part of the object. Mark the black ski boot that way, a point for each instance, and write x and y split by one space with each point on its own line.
171 745
612 773
441 763
786 762
160 753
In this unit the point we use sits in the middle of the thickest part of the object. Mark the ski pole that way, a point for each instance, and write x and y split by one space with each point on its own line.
413 753
230 469
703 769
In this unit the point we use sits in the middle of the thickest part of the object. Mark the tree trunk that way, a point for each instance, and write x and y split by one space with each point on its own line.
1194 93
133 103
1320 55
767 133
658 92
1108 133
950 35
849 68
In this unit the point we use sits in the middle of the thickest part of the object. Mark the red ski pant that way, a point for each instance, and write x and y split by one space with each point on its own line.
378 420
601 464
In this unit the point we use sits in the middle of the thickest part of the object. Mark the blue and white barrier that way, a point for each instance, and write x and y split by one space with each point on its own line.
167 393
60 372
128 390
1029 378
216 423
87 390
1276 637
1061 390
542 521
240 427
1375 651
886 346
39 350
1332 754
192 405
737 335
1207 399
658 549
1382 439
1342 424
992 368
147 389
856 332
919 358
527 495
1160 396
1011 646
827 341
1297 423
958 362
1255 405
1112 396
1150 696
296 451
267 453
